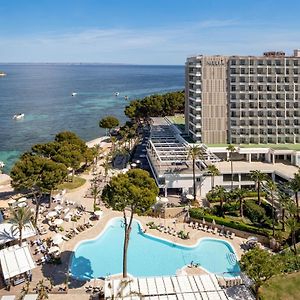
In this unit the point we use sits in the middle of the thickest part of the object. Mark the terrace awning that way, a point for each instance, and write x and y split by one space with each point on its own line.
167 288
16 260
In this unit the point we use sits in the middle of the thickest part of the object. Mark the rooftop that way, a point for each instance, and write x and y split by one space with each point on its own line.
295 147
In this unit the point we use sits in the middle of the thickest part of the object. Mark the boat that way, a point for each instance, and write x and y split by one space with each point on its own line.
126 97
2 74
74 94
18 116
2 164
117 93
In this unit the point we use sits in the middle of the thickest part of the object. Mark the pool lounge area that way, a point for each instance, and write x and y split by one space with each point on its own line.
148 255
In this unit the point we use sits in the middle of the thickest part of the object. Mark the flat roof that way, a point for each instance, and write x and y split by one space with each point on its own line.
16 260
284 170
295 147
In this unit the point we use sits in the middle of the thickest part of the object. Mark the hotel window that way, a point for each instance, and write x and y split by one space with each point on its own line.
233 62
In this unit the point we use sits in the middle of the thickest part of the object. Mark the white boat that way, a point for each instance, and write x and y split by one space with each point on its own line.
2 164
74 94
117 93
2 74
18 116
126 97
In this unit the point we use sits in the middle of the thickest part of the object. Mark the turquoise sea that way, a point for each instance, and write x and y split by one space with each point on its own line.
43 92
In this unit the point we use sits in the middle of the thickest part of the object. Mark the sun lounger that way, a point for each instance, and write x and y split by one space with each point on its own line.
209 229
65 238
191 224
227 234
215 231
205 228
221 233
232 235
196 225
76 231
200 227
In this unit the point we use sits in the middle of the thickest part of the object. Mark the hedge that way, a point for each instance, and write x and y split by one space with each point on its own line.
197 213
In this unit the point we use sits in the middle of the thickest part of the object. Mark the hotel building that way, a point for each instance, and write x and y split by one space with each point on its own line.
243 99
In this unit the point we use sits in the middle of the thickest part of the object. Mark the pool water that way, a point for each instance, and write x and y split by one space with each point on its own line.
148 255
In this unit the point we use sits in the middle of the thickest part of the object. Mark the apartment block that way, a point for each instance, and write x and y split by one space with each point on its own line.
243 99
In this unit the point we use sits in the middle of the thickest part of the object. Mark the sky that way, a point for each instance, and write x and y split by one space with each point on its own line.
144 31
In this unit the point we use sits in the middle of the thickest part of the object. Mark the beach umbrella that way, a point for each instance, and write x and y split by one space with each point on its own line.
51 214
214 222
164 200
203 221
58 207
58 222
57 239
22 204
157 198
133 165
189 197
23 199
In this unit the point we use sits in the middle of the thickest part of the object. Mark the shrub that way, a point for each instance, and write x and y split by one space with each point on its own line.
254 212
198 213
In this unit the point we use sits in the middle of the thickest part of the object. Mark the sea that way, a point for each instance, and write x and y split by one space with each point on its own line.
43 92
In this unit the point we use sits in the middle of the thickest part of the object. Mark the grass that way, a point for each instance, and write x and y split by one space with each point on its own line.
283 287
69 185
272 146
177 119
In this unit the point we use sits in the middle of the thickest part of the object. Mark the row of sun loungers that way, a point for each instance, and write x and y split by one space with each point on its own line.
73 231
211 229
93 289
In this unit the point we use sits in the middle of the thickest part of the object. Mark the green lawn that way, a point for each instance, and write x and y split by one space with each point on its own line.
78 181
177 119
273 146
284 287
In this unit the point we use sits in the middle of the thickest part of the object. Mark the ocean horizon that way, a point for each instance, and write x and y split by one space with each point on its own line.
43 92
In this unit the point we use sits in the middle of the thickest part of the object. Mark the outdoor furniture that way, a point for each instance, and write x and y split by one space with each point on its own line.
232 235
215 231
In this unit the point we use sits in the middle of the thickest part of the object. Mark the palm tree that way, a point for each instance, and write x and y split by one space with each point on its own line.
220 192
295 186
97 150
20 218
231 150
106 165
292 223
258 177
195 152
213 171
95 192
272 187
284 200
240 195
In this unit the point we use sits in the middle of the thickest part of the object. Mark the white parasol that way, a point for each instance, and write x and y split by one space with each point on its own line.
22 204
163 200
58 222
23 199
51 214
189 197
11 201
57 239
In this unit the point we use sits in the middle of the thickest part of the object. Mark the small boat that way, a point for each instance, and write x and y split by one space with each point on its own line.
74 94
117 94
18 116
2 74
126 97
2 164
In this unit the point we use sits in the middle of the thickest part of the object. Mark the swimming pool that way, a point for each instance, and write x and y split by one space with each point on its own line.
148 255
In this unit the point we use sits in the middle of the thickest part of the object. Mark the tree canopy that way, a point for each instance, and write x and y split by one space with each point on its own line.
135 190
109 122
156 106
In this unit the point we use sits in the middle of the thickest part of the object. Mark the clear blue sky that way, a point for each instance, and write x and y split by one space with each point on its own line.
144 31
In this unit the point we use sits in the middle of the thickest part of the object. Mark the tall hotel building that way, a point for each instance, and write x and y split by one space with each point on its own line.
243 99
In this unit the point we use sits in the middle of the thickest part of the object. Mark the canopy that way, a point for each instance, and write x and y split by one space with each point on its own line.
164 200
22 204
51 214
58 207
58 222
167 288
16 260
189 197
9 297
57 239
23 199
8 232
